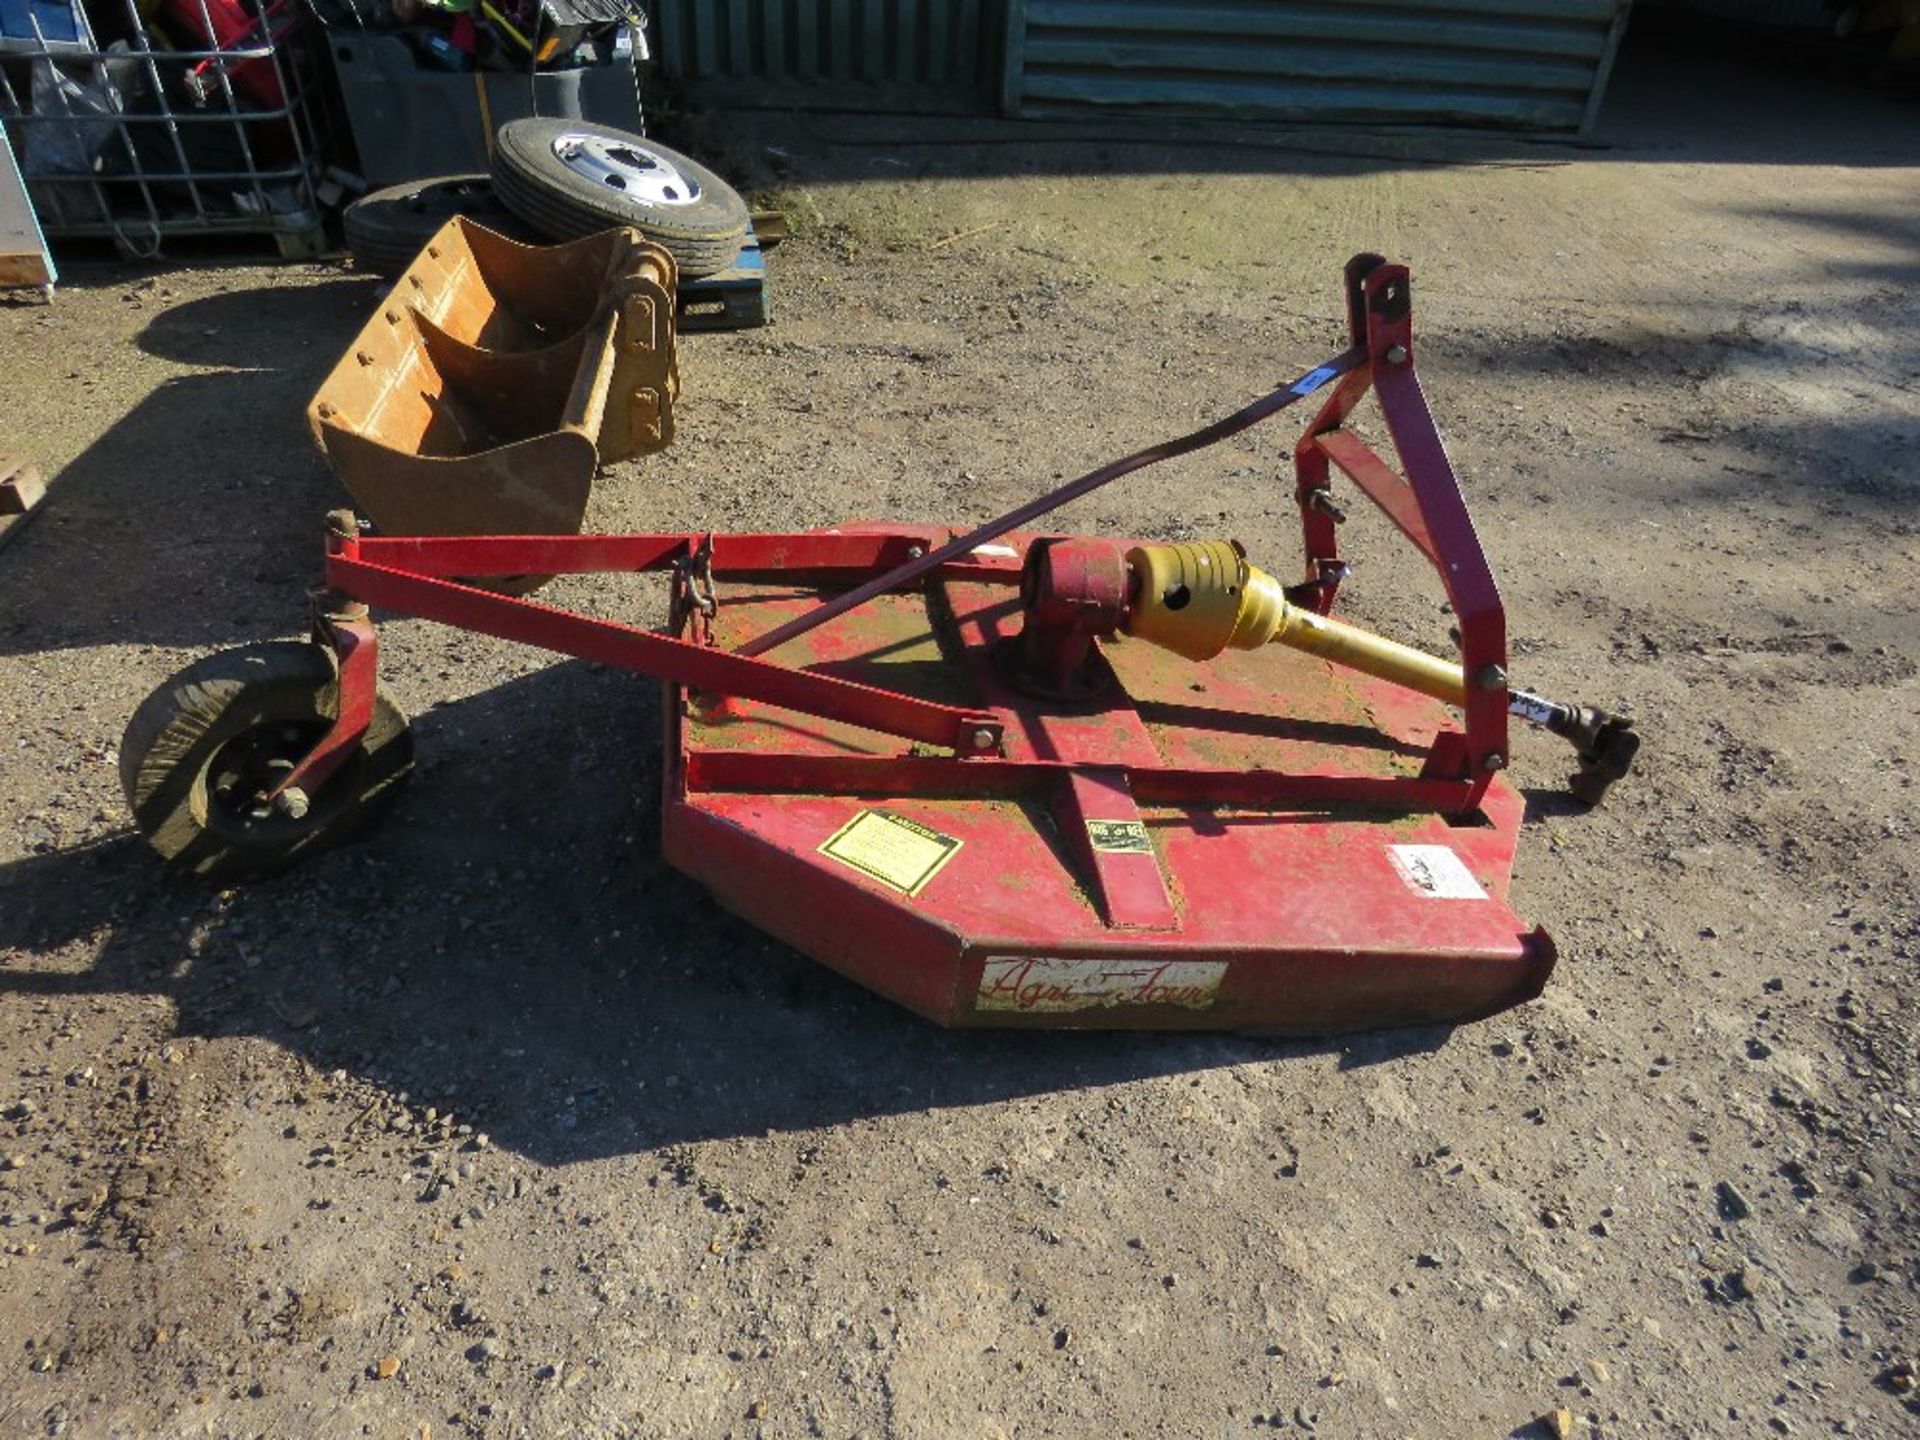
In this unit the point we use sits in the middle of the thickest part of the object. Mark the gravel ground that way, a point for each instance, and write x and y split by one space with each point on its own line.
493 1126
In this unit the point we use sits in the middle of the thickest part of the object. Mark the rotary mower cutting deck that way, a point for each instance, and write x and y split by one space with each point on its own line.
1004 777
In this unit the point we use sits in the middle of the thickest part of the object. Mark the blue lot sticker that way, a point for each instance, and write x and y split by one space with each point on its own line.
1313 380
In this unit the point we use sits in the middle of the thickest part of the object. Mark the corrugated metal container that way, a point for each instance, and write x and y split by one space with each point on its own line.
1786 14
1536 64
942 43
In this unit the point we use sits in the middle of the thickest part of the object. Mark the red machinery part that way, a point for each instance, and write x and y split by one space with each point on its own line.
1246 843
227 25
1072 593
1260 841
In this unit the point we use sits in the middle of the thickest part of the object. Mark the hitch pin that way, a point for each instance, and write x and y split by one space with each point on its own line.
1321 498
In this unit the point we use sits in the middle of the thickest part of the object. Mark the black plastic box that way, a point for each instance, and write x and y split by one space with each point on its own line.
411 121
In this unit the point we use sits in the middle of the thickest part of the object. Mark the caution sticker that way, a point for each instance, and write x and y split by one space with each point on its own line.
1435 872
892 849
1126 837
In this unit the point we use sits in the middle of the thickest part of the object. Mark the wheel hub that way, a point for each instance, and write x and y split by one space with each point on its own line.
620 166
248 767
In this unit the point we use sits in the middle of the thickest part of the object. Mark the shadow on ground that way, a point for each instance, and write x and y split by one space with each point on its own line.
195 519
512 948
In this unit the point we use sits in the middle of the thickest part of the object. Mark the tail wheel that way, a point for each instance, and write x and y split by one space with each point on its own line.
203 748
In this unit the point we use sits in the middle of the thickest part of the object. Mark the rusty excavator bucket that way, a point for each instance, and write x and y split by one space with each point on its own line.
496 378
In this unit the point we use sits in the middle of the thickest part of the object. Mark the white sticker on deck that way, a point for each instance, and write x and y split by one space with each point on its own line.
1436 872
1035 985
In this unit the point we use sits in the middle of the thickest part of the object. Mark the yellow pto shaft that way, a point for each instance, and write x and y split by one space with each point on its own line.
1201 598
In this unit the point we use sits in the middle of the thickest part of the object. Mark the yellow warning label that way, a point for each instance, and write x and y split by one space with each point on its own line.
892 849
1127 837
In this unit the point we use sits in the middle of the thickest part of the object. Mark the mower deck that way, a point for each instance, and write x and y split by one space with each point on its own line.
1000 778
1240 844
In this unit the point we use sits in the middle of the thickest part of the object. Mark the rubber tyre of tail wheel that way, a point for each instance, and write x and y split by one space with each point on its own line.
223 728
386 229
703 235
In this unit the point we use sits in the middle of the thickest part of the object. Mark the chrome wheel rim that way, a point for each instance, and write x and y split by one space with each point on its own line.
626 168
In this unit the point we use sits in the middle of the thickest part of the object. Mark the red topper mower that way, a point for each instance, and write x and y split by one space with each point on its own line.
1002 778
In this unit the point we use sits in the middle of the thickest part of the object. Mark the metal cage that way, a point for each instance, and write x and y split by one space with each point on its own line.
139 121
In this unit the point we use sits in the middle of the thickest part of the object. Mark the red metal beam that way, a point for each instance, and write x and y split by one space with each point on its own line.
1101 826
489 555
810 556
1456 551
356 651
698 667
905 775
1379 480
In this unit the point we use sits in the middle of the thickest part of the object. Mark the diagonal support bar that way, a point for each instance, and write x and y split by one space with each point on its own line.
1264 408
699 667
1373 475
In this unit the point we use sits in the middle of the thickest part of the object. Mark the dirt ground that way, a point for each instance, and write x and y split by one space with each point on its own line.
494 1126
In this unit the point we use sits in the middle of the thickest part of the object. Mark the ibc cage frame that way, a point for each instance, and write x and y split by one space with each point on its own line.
139 140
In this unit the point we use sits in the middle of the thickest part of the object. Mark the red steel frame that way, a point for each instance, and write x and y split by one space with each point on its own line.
1438 965
1423 499
419 576
414 575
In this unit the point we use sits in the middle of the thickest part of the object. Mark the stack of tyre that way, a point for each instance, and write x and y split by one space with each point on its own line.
557 180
